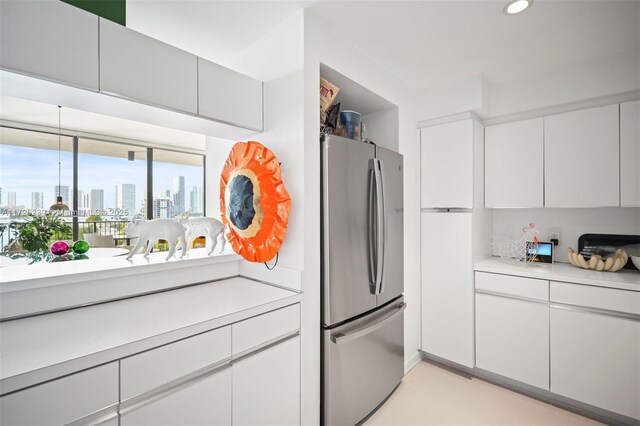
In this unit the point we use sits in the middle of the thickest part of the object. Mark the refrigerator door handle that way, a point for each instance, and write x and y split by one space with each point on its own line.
341 338
371 244
380 216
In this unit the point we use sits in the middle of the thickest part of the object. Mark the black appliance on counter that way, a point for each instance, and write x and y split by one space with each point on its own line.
605 245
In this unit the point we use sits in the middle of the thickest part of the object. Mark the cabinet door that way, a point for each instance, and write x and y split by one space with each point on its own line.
514 164
140 68
512 339
205 402
582 161
266 386
595 359
447 286
228 96
630 154
50 39
63 400
446 153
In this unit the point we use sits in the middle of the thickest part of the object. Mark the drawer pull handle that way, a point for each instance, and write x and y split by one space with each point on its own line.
340 338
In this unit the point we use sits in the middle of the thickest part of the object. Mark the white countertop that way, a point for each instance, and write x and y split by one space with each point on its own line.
564 272
40 348
25 277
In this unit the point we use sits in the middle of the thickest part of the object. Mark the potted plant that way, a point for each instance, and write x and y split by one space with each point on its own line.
40 231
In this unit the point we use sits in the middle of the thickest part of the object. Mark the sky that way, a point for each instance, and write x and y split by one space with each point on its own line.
24 170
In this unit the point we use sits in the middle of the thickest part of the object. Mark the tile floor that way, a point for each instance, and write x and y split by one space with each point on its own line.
430 395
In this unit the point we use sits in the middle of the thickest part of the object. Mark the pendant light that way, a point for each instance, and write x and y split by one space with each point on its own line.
59 205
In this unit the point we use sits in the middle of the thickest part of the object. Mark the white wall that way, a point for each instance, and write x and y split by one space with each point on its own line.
467 94
508 223
324 45
599 77
217 150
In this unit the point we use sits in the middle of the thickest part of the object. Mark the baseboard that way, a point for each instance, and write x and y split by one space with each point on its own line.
412 362
578 407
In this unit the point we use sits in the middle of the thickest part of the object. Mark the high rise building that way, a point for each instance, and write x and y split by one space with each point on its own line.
83 203
197 201
96 200
162 208
126 198
165 193
11 199
37 200
64 193
0 196
178 195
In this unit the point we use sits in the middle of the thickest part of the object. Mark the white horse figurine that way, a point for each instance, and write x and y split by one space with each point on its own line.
212 229
154 230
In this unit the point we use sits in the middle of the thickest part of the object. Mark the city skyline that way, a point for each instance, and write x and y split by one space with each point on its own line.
26 170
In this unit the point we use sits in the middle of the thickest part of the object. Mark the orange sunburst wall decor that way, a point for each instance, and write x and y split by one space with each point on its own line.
254 202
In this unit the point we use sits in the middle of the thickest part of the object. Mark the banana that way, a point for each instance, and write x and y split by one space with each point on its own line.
570 254
600 265
593 262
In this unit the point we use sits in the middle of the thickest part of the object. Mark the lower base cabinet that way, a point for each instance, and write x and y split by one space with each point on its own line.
596 359
205 402
266 386
512 339
78 397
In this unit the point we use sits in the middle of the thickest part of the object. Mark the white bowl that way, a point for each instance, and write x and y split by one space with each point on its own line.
636 261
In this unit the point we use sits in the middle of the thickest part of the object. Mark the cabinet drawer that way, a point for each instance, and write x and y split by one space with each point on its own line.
63 400
205 402
254 331
514 286
148 370
596 297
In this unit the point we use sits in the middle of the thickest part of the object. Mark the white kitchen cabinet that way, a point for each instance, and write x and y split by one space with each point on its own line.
51 40
228 96
152 369
64 400
582 162
630 154
266 386
446 156
512 328
258 330
595 346
514 164
447 286
140 68
595 359
203 402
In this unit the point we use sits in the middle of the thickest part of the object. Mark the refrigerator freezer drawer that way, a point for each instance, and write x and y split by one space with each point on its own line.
363 363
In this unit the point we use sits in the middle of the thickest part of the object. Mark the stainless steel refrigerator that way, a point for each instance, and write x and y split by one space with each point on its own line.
362 278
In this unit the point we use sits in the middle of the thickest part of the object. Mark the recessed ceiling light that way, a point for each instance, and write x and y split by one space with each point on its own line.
516 6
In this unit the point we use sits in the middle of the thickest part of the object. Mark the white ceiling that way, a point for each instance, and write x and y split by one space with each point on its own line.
424 43
212 29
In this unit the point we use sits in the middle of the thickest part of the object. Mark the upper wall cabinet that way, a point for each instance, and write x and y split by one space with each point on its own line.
630 154
582 158
514 164
228 96
143 69
446 155
50 40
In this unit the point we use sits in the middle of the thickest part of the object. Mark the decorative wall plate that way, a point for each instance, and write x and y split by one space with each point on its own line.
254 201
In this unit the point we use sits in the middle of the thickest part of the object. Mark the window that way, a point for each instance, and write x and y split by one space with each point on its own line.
178 184
113 181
